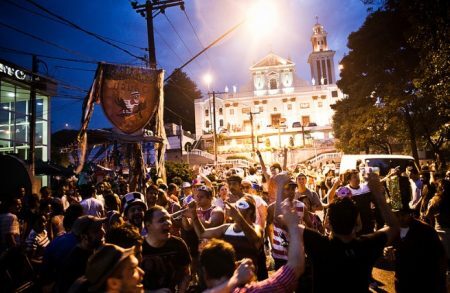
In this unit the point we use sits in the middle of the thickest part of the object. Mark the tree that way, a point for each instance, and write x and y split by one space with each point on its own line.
397 68
180 93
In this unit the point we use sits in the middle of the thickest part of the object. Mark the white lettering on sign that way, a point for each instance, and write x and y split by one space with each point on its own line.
17 73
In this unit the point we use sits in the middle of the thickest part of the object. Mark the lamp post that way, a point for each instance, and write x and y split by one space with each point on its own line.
252 131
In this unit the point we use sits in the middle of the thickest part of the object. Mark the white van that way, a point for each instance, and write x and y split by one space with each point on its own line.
380 163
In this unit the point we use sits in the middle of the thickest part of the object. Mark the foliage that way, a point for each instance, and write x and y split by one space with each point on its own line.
396 79
238 157
180 170
180 93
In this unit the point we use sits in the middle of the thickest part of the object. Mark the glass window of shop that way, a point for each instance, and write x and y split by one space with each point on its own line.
15 108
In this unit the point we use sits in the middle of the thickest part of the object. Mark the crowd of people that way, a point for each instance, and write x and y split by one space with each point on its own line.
273 230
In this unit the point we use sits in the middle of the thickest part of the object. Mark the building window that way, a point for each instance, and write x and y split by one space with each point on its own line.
275 109
261 109
273 84
246 110
207 124
220 111
334 94
320 104
231 111
304 105
275 120
206 112
289 106
221 122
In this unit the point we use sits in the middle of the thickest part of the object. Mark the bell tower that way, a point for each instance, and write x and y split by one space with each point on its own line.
321 58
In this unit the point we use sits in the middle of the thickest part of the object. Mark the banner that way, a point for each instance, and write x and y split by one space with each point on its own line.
130 95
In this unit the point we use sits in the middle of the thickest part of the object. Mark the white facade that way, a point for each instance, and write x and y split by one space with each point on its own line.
280 103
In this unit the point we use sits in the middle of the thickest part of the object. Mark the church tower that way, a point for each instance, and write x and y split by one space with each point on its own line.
321 58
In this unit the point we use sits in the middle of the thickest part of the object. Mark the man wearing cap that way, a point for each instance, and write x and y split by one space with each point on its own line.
111 269
90 236
186 194
134 209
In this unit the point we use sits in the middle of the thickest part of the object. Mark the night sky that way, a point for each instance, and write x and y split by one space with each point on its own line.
228 62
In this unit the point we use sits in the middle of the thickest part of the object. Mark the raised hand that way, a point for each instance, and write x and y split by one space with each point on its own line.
232 211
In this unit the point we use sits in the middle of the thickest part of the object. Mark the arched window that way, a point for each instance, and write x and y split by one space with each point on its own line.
206 112
273 84
220 111
207 123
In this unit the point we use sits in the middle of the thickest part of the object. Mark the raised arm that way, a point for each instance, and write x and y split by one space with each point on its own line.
393 228
263 166
214 232
254 234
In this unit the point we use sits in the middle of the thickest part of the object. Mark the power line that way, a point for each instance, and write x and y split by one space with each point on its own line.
196 35
41 39
61 22
83 30
179 36
20 52
75 68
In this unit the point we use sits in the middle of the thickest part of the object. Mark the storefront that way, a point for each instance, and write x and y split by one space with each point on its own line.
15 112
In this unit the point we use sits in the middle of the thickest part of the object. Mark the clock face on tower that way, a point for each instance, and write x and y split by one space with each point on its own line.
259 82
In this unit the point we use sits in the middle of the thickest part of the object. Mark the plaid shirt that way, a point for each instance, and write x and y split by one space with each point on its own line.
282 281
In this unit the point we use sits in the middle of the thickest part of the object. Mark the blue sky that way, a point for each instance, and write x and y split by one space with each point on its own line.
228 62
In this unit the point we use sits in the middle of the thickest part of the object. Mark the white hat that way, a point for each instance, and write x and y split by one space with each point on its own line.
185 185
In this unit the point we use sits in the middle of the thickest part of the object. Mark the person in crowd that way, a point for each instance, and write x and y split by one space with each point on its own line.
151 195
417 186
275 229
111 269
36 241
261 205
171 207
9 224
125 235
55 225
223 195
186 194
59 248
439 211
30 213
362 196
70 195
91 205
223 279
165 258
245 236
173 192
46 197
343 261
134 209
90 236
418 247
311 200
100 191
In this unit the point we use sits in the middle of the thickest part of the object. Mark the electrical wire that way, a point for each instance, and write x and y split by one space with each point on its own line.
72 24
61 22
196 35
41 39
20 52
74 68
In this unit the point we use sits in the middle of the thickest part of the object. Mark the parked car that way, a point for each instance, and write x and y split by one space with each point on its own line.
380 163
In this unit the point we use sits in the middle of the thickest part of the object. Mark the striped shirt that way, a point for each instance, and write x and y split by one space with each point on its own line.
280 235
36 243
283 280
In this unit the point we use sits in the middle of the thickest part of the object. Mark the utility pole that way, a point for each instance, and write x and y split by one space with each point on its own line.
253 136
32 138
146 10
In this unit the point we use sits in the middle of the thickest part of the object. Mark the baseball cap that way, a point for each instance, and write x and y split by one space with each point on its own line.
301 174
196 182
246 181
185 185
205 189
103 263
84 223
133 198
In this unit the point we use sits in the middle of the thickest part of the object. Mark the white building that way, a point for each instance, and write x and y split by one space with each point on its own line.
280 104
